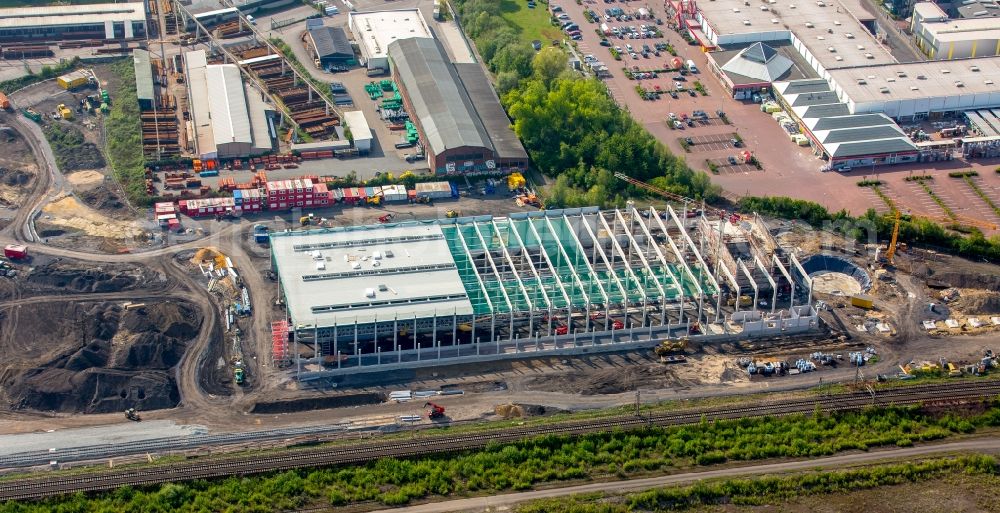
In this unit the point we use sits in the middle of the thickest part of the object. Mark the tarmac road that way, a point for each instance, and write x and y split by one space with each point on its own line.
504 501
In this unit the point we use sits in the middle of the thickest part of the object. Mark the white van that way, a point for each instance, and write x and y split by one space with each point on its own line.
690 66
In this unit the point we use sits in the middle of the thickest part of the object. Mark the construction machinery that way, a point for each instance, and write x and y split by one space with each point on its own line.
668 347
516 181
64 111
436 411
891 252
451 214
132 415
306 220
722 214
386 217
238 374
32 115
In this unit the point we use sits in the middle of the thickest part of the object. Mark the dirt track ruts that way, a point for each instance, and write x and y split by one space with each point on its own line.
476 504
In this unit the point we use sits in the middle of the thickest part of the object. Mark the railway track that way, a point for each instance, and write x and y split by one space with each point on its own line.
31 488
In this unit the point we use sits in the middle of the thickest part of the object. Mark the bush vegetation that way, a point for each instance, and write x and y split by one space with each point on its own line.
769 490
47 72
570 126
520 466
916 230
918 178
124 136
963 174
869 183
71 149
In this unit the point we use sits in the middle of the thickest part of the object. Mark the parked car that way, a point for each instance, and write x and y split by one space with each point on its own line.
732 160
563 16
680 78
673 94
736 143
556 8
536 44
605 42
692 93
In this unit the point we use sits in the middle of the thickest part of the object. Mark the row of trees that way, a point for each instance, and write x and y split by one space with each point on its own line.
570 126
45 73
522 465
911 230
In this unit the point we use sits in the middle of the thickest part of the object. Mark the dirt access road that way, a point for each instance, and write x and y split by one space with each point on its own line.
503 502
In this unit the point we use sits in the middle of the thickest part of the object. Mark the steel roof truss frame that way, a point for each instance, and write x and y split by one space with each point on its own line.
805 277
513 268
572 268
642 257
753 283
489 259
590 268
680 258
482 285
548 262
788 276
604 258
663 259
767 274
691 246
618 247
510 261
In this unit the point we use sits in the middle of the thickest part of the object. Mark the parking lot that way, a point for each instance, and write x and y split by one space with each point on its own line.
701 143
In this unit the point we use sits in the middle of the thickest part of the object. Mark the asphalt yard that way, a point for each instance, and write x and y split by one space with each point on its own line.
700 143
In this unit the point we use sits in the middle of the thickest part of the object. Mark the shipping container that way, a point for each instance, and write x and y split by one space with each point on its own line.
15 251
862 301
433 190
73 79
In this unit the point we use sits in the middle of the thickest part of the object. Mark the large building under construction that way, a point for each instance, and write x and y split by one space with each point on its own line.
569 281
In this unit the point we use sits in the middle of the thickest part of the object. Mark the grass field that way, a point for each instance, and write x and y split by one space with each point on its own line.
531 24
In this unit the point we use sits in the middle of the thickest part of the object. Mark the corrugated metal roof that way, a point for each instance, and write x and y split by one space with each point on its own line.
79 15
803 86
822 111
852 121
196 63
867 148
440 101
143 75
869 133
491 113
228 105
806 99
331 42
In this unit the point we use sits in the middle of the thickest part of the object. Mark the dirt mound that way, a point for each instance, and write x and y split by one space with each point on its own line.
71 149
318 403
14 177
94 357
77 278
102 198
971 279
617 380
977 302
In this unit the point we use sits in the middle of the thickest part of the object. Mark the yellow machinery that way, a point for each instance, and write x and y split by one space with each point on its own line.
863 301
64 111
451 214
895 236
515 181
671 346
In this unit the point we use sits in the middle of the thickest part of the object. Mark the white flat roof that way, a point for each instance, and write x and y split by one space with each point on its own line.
227 104
330 287
966 29
375 30
932 79
197 64
832 26
356 121
77 15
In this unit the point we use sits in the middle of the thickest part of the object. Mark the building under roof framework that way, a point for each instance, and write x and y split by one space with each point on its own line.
490 287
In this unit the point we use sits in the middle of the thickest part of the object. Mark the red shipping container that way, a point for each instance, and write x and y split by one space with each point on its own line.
15 251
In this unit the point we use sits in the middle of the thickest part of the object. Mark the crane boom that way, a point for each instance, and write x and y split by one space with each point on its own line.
669 195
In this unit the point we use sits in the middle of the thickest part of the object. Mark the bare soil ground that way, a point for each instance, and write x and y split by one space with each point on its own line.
954 494
17 169
68 344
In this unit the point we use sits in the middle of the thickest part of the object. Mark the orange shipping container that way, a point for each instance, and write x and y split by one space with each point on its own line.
4 102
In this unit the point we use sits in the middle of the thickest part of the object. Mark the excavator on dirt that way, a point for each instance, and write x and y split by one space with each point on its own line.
436 411
132 415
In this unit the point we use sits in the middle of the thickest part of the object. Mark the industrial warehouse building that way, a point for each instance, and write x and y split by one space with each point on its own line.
942 38
361 133
375 31
456 130
839 70
144 90
228 119
110 21
415 293
330 46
